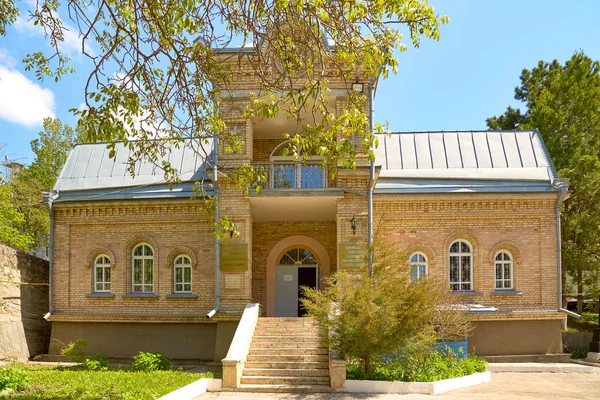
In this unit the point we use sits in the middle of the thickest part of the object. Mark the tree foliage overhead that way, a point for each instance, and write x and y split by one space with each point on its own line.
155 70
562 101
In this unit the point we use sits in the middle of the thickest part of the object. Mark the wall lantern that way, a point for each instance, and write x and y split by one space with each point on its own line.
358 87
353 225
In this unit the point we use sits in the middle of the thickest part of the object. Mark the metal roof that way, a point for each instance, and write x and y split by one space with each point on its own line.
494 155
464 161
90 172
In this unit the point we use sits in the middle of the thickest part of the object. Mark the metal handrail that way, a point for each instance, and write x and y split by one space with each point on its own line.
293 175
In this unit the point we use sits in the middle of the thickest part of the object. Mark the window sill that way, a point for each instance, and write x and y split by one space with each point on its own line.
101 295
466 293
184 296
510 292
140 296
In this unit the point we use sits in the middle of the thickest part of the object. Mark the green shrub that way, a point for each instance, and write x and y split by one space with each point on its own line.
578 354
151 361
75 350
589 317
97 363
12 379
436 366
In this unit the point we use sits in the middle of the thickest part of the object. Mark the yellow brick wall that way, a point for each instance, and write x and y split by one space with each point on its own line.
527 222
82 228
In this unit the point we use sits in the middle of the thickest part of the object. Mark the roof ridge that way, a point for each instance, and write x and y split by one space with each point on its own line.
460 131
139 140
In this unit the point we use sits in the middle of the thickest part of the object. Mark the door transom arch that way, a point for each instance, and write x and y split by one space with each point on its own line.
298 241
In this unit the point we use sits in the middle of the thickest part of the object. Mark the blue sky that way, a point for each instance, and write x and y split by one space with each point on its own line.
456 83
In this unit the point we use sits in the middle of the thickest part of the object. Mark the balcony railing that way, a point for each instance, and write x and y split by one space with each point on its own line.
294 175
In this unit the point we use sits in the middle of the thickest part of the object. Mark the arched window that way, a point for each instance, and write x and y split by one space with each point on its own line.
418 265
298 256
461 265
183 274
102 274
143 269
503 263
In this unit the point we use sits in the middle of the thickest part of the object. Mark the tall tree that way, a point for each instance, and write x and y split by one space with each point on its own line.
12 221
563 103
155 71
51 150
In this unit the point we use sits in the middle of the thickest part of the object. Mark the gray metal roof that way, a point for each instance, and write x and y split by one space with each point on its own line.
482 161
90 172
485 155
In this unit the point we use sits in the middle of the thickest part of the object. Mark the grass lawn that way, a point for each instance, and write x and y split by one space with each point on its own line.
587 323
75 383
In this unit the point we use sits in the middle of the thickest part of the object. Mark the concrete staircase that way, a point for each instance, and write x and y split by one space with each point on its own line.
286 355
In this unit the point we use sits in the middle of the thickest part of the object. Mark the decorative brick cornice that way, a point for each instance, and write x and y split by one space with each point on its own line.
395 204
116 211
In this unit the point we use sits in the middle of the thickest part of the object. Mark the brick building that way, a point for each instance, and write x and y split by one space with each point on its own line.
136 266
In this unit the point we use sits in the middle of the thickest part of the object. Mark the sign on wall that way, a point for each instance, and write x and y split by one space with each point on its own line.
234 256
352 255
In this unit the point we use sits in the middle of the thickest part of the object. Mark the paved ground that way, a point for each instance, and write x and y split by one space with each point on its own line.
547 386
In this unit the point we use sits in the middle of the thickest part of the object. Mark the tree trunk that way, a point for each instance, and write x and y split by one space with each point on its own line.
367 361
579 291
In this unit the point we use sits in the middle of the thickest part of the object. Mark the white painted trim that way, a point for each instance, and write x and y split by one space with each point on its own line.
446 385
194 389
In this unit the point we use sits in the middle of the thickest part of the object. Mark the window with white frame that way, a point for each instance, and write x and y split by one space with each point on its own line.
183 275
461 265
143 269
418 266
503 264
102 274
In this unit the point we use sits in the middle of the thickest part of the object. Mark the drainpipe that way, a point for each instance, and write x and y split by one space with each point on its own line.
562 185
49 197
371 184
216 216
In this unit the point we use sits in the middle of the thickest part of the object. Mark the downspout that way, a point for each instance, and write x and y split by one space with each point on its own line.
216 216
49 197
371 184
562 185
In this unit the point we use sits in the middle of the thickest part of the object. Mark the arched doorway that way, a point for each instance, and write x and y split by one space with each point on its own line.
297 267
276 253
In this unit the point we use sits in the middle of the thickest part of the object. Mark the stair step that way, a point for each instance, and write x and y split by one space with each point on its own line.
285 372
286 320
284 388
271 332
287 358
278 338
284 380
287 345
288 351
269 364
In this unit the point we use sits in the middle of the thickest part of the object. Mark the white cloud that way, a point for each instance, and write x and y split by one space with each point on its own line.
22 101
7 59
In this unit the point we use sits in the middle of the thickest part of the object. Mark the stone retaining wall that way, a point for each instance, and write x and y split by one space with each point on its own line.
23 332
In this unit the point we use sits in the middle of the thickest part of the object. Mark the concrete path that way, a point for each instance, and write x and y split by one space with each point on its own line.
505 386
565 368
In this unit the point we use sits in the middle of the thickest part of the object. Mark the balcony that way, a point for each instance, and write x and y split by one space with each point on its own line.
295 192
294 175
